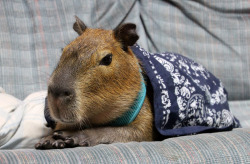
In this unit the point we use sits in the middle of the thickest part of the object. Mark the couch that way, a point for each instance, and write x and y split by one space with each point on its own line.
213 33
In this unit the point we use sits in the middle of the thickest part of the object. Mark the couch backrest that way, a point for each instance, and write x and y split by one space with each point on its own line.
214 33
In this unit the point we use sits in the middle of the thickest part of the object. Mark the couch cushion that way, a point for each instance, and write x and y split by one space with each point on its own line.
214 33
241 110
32 34
223 147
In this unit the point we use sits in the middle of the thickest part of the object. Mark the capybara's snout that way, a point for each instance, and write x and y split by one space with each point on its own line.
62 94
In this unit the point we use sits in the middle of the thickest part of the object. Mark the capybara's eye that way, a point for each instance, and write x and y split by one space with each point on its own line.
106 60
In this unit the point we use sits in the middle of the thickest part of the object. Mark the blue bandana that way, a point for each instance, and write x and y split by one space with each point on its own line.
187 98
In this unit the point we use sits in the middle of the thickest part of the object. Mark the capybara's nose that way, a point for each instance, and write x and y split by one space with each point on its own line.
60 92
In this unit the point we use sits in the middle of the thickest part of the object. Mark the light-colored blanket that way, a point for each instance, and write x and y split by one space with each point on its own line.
22 123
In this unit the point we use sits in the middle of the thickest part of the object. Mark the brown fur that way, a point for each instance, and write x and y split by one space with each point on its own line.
83 95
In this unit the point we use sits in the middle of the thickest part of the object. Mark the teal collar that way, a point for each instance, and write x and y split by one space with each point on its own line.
130 115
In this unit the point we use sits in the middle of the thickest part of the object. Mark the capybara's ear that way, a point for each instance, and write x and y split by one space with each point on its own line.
79 26
126 34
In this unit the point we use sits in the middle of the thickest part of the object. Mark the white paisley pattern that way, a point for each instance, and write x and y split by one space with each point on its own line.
199 96
164 93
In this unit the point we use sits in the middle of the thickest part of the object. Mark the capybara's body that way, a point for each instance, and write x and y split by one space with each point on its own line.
96 81
97 93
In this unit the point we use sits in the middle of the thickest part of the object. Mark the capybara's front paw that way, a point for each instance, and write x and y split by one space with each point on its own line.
77 141
65 139
50 142
72 138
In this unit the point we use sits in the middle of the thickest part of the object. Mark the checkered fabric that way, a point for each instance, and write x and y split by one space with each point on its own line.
224 147
214 33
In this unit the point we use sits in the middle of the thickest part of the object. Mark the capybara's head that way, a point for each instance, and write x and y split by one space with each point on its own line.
97 78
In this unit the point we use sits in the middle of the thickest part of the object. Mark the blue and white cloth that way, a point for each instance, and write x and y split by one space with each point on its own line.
188 99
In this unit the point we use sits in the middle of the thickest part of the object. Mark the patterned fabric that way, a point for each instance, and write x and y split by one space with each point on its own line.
187 98
223 147
213 33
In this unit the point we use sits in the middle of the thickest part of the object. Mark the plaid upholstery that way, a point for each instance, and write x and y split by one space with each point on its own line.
241 110
214 33
224 147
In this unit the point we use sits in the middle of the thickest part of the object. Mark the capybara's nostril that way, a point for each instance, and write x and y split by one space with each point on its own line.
61 92
67 93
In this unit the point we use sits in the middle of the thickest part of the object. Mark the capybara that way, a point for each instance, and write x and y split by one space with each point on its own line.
106 89
95 82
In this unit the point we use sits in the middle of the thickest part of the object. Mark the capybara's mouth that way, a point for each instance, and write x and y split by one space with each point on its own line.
67 121
63 115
